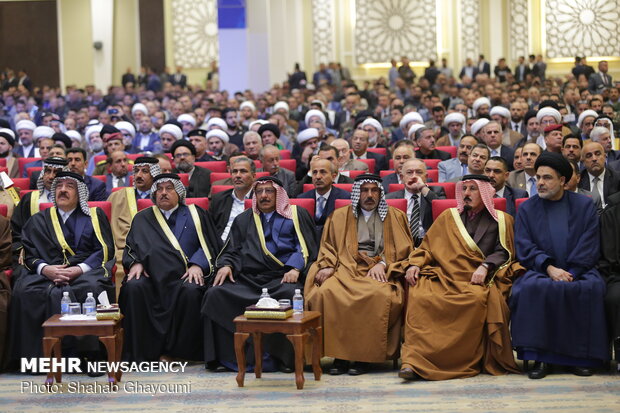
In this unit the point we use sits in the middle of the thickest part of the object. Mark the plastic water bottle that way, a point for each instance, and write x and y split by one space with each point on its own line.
64 303
90 306
298 302
265 294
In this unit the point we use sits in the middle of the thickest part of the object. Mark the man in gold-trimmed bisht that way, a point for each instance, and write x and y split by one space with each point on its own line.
168 254
68 248
460 278
271 245
356 281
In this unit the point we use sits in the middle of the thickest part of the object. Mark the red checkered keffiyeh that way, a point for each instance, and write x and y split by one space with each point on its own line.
283 205
486 192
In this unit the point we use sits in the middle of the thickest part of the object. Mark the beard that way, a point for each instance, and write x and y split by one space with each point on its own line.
96 147
4 154
467 207
184 166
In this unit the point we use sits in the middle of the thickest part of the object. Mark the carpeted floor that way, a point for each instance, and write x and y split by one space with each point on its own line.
198 390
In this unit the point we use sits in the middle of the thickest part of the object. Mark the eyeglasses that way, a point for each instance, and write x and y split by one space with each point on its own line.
182 155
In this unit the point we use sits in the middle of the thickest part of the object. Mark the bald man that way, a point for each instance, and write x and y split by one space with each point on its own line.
596 178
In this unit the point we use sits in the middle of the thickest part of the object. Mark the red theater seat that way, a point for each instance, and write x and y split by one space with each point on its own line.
355 174
33 169
144 203
3 162
213 166
104 205
306 203
21 162
220 188
432 175
21 183
383 174
4 210
370 163
100 177
440 205
285 154
290 164
518 202
381 151
448 187
450 149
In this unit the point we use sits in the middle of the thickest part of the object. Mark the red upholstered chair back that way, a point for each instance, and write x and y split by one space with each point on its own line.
100 177
104 205
4 210
431 163
3 162
4 169
201 202
432 175
396 203
381 151
383 174
395 187
118 188
285 154
448 187
450 149
440 205
355 174
306 203
33 169
184 179
216 176
220 188
213 166
23 192
21 183
290 164
144 203
518 202
370 163
21 162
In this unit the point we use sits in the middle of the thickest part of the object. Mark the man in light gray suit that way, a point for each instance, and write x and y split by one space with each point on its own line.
455 167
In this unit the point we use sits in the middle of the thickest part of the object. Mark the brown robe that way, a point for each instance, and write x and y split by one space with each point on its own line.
454 328
362 317
122 215
6 199
5 286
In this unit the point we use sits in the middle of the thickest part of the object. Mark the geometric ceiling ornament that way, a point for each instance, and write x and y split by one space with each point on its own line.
387 29
194 33
470 29
519 37
582 27
323 31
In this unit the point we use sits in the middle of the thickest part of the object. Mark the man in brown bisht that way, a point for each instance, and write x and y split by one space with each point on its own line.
355 282
460 278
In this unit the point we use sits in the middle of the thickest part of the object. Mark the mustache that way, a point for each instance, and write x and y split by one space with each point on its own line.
467 199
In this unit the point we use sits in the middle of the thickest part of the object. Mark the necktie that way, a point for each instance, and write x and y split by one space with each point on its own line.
464 166
533 189
414 221
121 182
320 207
596 195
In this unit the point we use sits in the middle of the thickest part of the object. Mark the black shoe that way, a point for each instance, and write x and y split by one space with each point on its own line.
216 367
538 371
582 371
358 368
283 368
407 373
339 367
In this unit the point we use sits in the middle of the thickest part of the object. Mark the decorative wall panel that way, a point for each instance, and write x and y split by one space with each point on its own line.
519 31
194 26
470 29
386 29
582 27
323 30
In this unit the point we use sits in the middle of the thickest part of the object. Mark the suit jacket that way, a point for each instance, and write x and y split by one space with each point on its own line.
516 179
151 147
598 203
355 165
390 179
435 154
128 77
611 183
381 162
613 156
96 189
521 71
596 84
511 195
288 180
19 150
34 164
342 179
449 169
109 182
330 205
199 183
486 68
475 72
220 208
513 137
615 165
181 81
426 207
508 154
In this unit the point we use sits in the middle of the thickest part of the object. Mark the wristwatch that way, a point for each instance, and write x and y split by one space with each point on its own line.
485 265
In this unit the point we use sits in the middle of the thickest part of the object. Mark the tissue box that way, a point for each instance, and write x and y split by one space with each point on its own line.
280 313
112 312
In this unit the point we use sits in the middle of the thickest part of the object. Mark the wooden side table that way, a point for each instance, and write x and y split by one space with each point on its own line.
298 329
109 332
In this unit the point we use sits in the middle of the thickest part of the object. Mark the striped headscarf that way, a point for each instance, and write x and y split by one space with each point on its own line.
486 193
82 189
149 161
53 162
283 205
382 208
176 181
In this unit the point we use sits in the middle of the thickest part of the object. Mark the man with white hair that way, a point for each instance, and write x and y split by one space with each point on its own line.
606 137
252 144
169 133
454 122
26 147
345 163
502 116
188 122
94 141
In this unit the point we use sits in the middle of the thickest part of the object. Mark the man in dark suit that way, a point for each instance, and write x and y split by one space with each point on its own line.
403 151
77 164
492 136
359 144
324 193
497 171
468 70
226 205
178 79
594 158
184 154
483 66
329 153
119 171
521 70
601 80
128 77
425 139
419 198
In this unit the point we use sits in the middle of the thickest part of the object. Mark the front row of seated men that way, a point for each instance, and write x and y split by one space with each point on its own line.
459 306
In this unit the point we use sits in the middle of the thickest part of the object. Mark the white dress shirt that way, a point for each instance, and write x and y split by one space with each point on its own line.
238 207
169 212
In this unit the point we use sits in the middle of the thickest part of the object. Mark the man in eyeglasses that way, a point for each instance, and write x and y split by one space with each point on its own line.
184 154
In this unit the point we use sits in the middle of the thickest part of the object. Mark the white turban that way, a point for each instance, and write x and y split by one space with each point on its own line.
584 115
126 126
479 102
43 132
172 129
413 129
501 111
139 107
307 134
257 122
410 117
74 135
247 104
217 133
280 105
217 122
549 111
374 123
93 129
313 112
479 124
186 117
25 124
8 131
454 117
